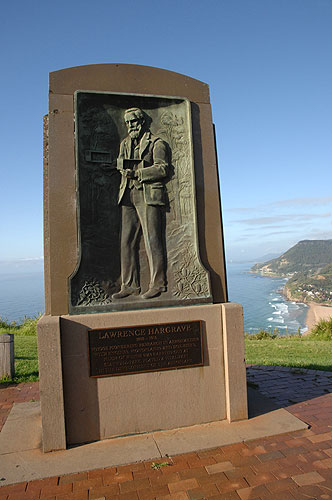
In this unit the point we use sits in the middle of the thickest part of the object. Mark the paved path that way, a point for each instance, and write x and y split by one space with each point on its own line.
284 467
287 386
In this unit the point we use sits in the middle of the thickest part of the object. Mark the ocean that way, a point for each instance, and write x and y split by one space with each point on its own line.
22 294
264 306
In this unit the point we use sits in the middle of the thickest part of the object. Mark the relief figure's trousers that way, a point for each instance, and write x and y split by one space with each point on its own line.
136 214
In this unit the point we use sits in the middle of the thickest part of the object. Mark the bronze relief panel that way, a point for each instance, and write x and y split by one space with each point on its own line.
138 243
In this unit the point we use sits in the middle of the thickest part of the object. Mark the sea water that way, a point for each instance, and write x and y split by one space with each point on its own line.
264 306
22 294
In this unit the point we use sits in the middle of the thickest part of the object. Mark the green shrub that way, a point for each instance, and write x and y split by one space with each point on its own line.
322 331
263 335
4 324
27 328
6 327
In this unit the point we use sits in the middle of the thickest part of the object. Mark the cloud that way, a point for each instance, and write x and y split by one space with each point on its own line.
261 221
23 260
274 227
294 202
318 234
275 233
262 235
283 236
244 209
28 259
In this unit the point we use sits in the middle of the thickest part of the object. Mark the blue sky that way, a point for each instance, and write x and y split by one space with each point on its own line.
268 64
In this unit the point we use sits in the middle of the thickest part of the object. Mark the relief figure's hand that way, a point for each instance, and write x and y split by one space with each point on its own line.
130 174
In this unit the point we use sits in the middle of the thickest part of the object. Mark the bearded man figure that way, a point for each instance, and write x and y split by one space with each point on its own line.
141 196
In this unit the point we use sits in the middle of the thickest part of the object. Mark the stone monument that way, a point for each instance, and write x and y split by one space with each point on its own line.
137 333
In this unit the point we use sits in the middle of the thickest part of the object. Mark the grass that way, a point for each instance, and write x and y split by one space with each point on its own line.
313 351
26 360
25 345
290 351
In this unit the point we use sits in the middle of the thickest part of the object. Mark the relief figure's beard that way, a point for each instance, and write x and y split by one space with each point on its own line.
134 134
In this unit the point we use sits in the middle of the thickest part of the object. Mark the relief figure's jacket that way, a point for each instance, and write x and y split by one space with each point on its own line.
151 172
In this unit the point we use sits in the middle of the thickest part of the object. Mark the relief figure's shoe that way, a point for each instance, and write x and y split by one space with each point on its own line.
125 292
153 292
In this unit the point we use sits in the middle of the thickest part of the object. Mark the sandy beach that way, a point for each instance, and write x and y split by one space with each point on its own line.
315 313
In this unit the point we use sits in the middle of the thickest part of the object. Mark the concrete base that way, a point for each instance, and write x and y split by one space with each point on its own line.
100 408
22 459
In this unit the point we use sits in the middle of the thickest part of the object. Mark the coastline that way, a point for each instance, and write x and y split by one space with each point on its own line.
315 313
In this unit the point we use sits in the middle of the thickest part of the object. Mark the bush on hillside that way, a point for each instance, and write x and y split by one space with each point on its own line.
263 335
269 335
322 331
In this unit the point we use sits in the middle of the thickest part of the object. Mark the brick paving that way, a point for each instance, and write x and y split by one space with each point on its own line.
291 466
287 386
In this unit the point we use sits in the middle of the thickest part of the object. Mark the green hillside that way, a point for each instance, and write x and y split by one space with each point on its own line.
308 265
316 287
307 256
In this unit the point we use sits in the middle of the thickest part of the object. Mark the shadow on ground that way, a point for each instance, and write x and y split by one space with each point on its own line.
284 386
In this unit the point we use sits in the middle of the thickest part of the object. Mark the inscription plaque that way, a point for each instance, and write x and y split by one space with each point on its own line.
137 349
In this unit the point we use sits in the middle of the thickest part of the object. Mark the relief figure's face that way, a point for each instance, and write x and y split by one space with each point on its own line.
134 125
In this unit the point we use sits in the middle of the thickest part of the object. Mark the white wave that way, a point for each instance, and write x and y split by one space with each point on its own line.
279 320
282 307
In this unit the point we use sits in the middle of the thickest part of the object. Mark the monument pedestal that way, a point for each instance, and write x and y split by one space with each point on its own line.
77 408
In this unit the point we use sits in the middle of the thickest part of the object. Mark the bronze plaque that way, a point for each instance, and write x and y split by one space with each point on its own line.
137 349
136 205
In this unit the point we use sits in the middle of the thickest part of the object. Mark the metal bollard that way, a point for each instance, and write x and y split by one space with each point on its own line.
7 355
